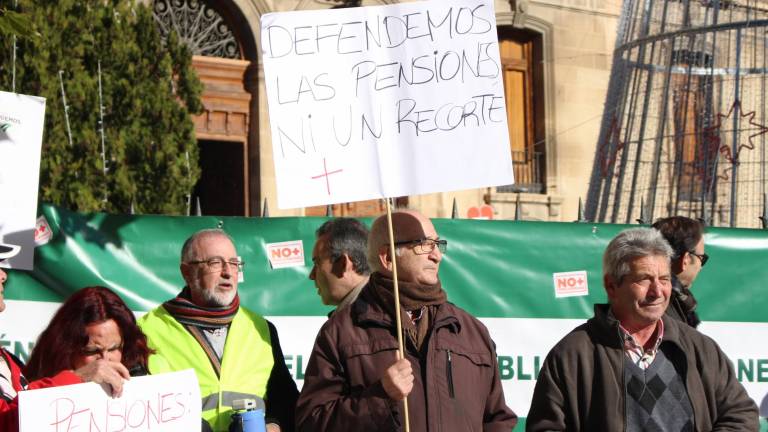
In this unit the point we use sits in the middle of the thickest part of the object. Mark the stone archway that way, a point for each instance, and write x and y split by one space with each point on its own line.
225 58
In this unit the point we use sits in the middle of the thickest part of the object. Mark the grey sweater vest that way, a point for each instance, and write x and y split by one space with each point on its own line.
656 398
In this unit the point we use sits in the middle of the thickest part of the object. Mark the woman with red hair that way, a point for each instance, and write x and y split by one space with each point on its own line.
93 337
92 328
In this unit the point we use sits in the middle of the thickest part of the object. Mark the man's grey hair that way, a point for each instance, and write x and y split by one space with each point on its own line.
186 250
347 236
629 245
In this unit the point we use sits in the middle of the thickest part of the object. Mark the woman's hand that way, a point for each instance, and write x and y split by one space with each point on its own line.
105 372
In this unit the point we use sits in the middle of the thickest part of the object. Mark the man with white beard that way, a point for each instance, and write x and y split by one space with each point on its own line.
235 352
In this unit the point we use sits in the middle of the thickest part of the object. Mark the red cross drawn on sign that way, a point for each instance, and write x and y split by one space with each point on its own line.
326 174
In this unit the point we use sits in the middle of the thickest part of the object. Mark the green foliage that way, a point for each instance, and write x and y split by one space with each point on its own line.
149 91
15 23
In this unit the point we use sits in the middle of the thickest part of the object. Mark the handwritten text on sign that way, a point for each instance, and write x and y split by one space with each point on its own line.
385 101
168 402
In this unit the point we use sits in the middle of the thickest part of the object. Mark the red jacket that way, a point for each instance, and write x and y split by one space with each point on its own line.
9 410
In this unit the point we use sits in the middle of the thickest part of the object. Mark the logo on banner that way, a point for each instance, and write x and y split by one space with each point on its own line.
483 212
6 123
43 233
240 274
570 284
7 120
286 254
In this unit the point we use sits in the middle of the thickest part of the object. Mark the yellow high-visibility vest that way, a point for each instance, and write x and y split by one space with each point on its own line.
245 366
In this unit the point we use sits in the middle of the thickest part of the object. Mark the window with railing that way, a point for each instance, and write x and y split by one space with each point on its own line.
520 52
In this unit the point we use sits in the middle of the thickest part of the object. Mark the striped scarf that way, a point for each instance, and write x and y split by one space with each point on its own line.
194 318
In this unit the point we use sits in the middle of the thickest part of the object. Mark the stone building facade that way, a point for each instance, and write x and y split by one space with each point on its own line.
556 57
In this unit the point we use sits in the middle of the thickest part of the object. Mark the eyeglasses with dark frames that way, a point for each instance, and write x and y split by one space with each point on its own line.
702 257
217 263
425 245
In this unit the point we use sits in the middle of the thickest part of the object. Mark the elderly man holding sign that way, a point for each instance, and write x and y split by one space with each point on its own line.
354 380
363 104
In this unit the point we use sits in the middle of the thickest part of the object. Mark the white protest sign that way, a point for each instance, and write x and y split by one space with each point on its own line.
167 402
21 136
385 101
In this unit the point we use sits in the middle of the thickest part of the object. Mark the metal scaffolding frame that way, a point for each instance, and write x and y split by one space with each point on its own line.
684 128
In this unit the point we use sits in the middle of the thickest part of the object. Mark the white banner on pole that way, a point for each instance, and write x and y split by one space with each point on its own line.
168 402
385 101
21 137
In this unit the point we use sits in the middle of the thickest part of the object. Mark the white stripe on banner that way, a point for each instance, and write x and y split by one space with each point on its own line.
522 344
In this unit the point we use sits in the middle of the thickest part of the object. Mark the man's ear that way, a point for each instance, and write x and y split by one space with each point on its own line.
610 286
684 262
348 264
186 271
342 265
385 259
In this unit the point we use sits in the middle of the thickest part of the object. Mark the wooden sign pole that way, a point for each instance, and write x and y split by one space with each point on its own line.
401 349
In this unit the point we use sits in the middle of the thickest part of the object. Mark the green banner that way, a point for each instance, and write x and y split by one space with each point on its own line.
500 271
492 268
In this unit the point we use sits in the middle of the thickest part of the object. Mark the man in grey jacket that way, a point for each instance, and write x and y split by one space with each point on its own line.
633 368
339 264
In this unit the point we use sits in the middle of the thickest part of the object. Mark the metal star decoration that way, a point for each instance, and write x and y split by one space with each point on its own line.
712 135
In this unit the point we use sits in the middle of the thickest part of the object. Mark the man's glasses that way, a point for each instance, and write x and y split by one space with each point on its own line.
217 264
703 257
424 245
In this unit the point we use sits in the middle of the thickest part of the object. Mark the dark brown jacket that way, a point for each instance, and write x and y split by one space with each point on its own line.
682 304
581 386
342 390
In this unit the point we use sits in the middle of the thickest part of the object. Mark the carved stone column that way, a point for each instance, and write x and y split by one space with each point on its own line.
227 107
251 83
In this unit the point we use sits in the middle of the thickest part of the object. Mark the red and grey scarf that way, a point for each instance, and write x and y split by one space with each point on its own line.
194 318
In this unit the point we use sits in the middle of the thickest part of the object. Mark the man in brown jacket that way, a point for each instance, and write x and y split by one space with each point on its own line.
633 368
354 380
